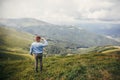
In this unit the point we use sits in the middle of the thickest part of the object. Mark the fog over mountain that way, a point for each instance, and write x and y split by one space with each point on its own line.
70 35
108 29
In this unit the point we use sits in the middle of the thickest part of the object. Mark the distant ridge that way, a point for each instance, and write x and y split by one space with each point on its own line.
71 35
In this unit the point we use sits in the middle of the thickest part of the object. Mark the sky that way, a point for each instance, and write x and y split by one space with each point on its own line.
63 11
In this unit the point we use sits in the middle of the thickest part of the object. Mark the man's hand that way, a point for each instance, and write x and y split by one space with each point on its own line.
43 38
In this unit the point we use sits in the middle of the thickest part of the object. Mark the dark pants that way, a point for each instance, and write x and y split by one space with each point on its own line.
38 57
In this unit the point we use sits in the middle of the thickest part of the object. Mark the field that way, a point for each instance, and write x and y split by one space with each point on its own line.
102 65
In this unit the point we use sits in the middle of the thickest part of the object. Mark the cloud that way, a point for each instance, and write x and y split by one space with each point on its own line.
62 11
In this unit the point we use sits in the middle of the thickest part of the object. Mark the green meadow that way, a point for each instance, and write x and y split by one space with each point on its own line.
91 66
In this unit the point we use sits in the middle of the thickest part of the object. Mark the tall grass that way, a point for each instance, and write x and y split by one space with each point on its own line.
94 66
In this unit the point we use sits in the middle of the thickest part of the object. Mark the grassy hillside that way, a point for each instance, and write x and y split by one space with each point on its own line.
102 65
12 39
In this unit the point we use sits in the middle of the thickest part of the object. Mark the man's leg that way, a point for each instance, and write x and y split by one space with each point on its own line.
36 62
41 64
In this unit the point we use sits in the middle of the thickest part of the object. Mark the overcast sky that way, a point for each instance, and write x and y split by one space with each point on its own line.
62 11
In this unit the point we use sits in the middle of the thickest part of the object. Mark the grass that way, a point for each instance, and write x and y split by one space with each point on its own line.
10 38
93 66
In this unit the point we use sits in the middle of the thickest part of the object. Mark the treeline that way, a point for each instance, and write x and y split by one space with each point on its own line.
54 49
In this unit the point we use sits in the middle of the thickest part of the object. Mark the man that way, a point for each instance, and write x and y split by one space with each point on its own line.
36 49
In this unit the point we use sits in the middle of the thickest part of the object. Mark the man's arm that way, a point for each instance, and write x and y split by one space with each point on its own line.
31 50
45 42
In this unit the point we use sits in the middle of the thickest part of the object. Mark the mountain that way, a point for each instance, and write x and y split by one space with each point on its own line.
22 22
69 35
108 29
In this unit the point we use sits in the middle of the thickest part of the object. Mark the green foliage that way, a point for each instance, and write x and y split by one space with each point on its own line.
102 49
54 49
77 72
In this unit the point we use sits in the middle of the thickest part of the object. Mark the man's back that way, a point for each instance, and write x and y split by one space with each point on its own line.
37 47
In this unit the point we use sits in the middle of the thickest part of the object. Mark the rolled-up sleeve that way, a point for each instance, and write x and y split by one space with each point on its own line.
45 43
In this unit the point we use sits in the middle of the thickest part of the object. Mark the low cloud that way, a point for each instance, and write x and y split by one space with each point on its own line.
62 11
